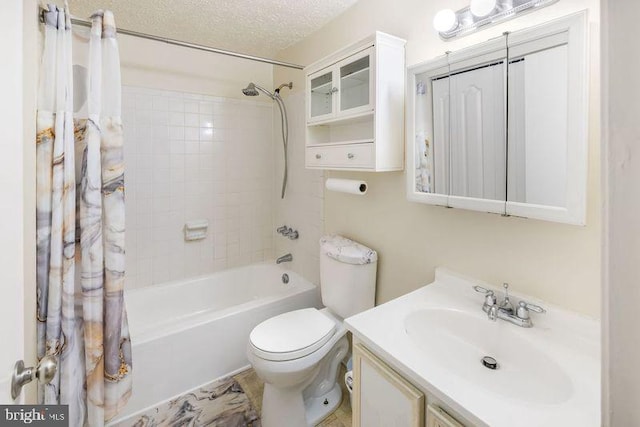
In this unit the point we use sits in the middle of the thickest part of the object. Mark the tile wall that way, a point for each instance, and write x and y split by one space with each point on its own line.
196 157
303 205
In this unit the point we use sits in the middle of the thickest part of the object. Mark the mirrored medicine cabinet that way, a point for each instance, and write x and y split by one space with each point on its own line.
501 126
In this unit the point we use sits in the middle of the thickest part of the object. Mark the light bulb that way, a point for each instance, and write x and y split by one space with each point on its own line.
482 8
445 20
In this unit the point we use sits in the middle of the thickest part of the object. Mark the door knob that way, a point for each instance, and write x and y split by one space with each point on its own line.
44 372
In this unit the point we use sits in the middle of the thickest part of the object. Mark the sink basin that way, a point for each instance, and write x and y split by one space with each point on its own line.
437 336
458 340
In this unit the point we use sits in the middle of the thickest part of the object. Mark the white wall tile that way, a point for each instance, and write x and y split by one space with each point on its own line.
302 208
188 157
191 107
160 103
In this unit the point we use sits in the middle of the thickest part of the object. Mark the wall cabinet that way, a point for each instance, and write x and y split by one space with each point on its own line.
355 107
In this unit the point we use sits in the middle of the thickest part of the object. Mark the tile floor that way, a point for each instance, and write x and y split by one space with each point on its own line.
219 403
229 402
253 386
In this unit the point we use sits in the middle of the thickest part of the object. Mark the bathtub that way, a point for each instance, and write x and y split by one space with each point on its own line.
189 333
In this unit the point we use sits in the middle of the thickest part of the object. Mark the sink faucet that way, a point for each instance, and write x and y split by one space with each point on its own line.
504 310
284 258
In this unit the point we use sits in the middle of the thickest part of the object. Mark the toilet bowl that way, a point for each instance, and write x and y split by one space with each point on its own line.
301 386
298 354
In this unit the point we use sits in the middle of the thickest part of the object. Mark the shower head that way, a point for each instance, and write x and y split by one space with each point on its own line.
252 90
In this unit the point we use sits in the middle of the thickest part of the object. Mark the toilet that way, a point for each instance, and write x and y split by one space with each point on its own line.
297 354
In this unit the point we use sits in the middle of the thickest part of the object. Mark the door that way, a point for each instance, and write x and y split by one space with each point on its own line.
18 44
355 83
381 397
478 148
11 194
321 86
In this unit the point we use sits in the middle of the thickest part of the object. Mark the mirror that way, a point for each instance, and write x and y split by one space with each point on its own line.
431 133
501 126
478 148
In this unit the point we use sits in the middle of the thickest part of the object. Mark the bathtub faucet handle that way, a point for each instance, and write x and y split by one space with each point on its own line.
284 258
281 230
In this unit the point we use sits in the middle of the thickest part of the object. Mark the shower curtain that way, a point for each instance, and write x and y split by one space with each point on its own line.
80 221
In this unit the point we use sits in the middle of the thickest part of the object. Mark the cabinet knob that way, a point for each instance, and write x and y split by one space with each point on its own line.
350 156
318 156
334 90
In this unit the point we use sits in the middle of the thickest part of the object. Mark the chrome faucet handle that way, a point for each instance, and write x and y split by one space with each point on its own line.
482 290
506 304
293 235
524 307
532 307
489 299
282 229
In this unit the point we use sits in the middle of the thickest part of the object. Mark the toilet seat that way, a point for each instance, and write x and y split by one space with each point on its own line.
291 335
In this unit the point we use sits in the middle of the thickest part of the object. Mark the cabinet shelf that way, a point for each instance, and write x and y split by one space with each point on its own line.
359 78
323 89
354 118
349 142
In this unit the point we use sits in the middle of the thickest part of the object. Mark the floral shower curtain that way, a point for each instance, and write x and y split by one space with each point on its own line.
80 222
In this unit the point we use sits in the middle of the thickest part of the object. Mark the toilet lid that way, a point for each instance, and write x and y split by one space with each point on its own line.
292 335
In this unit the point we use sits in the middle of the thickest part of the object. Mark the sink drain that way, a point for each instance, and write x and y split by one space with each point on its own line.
490 362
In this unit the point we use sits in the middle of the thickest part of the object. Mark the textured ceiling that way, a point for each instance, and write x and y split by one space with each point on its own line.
258 27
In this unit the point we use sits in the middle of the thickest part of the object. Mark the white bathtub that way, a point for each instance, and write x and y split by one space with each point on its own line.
185 334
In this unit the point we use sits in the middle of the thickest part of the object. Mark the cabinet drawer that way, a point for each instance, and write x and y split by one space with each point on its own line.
356 156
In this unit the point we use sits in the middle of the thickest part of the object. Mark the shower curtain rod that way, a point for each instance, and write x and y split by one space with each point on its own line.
84 23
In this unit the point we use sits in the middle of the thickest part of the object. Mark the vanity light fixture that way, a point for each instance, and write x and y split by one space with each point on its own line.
481 13
481 8
445 21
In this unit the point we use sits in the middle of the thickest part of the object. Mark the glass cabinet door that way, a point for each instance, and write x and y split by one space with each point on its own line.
355 83
321 96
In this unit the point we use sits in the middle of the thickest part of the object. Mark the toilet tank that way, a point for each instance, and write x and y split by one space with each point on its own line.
347 275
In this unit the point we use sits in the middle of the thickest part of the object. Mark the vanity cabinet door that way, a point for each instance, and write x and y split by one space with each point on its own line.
381 397
436 417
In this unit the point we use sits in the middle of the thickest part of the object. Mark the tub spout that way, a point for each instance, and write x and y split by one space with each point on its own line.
284 258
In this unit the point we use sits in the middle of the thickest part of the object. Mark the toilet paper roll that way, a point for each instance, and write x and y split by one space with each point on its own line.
350 186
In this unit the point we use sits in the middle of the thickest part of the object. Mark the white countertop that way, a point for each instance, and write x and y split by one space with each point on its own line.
568 341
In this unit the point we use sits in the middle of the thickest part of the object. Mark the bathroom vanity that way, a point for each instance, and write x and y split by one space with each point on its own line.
434 358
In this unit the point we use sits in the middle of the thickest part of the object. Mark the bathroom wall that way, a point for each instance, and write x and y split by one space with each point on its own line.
621 257
152 64
558 263
196 148
195 157
302 207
